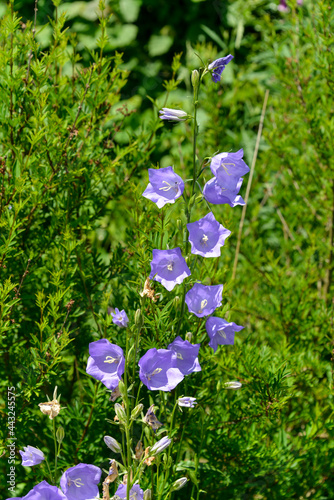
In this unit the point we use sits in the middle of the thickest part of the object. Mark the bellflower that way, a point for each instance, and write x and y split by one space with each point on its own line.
203 300
120 318
169 267
218 67
228 168
160 446
106 362
80 482
165 186
187 402
112 444
136 493
43 491
186 355
217 195
207 236
31 456
174 115
221 332
158 370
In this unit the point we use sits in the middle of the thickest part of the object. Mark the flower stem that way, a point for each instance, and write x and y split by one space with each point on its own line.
56 448
127 426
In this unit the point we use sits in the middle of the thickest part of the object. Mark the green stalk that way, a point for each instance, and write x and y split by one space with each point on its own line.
127 427
56 448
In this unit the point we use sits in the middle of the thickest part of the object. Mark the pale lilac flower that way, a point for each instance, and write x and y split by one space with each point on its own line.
186 355
228 168
179 483
207 236
165 186
218 67
112 444
221 332
80 482
43 491
174 115
160 446
283 6
169 267
151 419
216 195
119 318
106 362
203 300
158 370
31 456
187 402
136 493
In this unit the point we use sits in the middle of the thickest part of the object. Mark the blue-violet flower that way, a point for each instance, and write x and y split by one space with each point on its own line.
165 186
43 491
119 318
203 300
218 67
220 331
207 236
169 267
31 456
106 362
136 493
187 402
216 195
186 355
80 482
228 168
174 115
158 370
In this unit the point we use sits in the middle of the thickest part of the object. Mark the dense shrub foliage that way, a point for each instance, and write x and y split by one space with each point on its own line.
78 133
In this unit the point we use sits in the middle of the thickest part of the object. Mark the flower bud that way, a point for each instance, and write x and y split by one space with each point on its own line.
160 445
195 78
139 320
60 434
179 483
121 388
112 444
119 410
136 411
232 385
179 224
189 336
147 495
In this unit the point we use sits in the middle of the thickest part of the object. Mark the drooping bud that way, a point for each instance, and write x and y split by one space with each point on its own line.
179 483
195 78
112 444
136 411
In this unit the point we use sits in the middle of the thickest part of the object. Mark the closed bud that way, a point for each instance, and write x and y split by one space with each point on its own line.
121 388
189 336
232 385
112 444
195 78
176 301
179 483
147 495
136 411
60 434
192 199
131 353
179 224
139 320
119 410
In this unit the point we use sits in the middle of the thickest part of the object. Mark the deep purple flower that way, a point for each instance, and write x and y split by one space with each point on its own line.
31 456
216 195
221 332
158 370
203 300
218 67
43 491
165 186
174 115
120 318
80 482
106 362
169 267
207 236
187 401
228 168
136 493
186 355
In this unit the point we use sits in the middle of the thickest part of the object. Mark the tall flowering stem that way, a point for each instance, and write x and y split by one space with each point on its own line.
196 83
